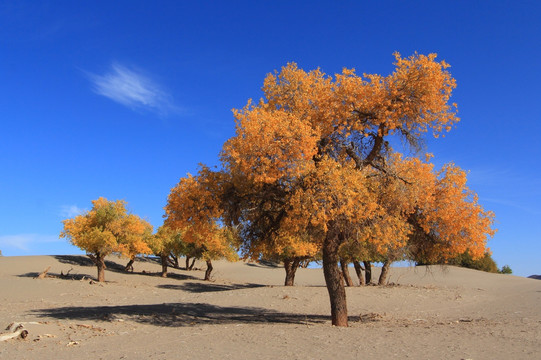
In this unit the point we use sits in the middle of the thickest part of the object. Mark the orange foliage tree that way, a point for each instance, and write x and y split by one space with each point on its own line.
314 146
193 208
431 216
108 228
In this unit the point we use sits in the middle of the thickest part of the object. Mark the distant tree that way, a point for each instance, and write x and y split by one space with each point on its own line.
107 228
484 263
505 270
193 208
165 242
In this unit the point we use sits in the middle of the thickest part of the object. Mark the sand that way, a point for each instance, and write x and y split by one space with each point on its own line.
246 313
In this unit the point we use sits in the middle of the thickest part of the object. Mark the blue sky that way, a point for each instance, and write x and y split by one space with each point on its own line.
122 98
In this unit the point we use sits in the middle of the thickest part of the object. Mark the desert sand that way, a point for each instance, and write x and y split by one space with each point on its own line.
246 313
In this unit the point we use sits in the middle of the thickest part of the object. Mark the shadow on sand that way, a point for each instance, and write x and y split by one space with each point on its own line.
208 287
264 264
181 314
61 276
81 260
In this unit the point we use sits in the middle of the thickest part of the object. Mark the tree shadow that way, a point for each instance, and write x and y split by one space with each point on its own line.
82 260
264 264
79 260
208 287
60 276
181 314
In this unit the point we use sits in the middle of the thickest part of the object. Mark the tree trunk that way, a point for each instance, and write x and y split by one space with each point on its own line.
129 265
188 263
164 259
334 281
173 260
100 263
359 272
193 263
345 272
384 273
291 265
367 272
208 271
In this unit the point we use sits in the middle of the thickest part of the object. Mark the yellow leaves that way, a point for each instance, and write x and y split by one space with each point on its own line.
108 228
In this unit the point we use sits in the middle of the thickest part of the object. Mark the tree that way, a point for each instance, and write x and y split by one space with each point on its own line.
428 214
193 208
107 228
505 270
166 241
314 143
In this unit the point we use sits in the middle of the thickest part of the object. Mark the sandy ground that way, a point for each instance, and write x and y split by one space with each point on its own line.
246 313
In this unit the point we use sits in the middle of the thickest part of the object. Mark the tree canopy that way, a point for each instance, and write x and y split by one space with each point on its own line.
108 228
313 161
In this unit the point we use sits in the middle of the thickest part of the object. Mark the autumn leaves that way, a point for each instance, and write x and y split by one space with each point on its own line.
311 170
314 166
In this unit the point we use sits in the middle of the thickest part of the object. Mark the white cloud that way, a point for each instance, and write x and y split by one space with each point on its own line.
69 211
133 89
25 242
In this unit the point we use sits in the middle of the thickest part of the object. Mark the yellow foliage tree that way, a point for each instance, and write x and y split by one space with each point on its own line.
107 228
166 241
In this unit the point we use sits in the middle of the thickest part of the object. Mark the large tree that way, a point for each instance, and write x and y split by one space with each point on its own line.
107 228
315 144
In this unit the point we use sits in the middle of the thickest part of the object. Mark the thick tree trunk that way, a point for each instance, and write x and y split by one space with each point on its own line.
99 260
334 281
100 263
164 259
291 265
192 264
345 272
208 271
367 272
383 277
188 263
129 265
359 272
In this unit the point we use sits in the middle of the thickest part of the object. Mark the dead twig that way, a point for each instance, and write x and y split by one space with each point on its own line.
43 274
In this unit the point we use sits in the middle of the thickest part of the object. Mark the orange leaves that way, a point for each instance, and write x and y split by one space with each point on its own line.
271 145
313 156
421 89
193 209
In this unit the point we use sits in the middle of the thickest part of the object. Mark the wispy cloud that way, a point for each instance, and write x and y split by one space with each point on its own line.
25 242
132 88
69 211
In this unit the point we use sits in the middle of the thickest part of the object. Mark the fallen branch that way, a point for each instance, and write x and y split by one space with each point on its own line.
15 330
44 273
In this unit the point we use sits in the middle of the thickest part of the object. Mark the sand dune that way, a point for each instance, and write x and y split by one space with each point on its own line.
431 313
